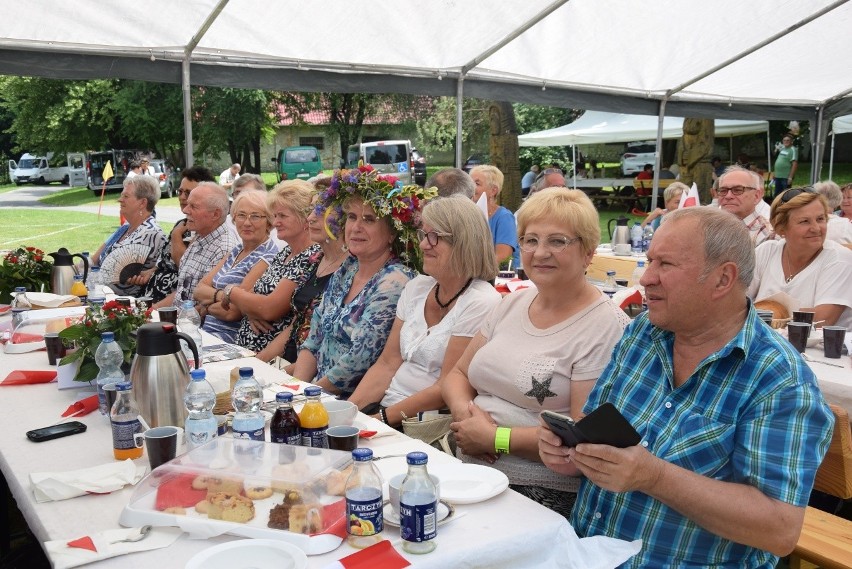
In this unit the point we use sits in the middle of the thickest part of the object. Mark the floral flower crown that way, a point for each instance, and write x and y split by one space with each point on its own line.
388 198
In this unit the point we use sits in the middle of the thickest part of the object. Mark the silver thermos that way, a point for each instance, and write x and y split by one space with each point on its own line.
62 273
160 374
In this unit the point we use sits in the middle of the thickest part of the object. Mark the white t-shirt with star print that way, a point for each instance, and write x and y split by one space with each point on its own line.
522 370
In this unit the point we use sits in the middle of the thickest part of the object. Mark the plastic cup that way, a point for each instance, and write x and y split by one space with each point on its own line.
806 316
832 339
161 444
342 437
55 347
168 314
797 333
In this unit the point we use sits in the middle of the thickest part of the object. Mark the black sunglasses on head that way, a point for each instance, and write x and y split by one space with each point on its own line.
793 192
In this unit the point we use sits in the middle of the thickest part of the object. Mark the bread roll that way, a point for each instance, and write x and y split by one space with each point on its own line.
779 311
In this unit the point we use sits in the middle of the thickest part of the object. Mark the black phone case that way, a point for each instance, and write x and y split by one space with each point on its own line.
56 431
605 425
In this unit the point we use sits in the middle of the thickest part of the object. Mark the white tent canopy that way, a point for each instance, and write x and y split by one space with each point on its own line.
841 125
720 59
596 127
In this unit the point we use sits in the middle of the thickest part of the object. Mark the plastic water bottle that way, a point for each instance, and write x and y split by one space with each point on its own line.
610 286
199 400
109 358
20 299
636 238
189 322
285 427
418 506
94 284
647 235
364 518
247 397
124 419
637 274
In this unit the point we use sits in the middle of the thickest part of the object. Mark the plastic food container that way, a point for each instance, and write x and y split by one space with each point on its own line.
251 489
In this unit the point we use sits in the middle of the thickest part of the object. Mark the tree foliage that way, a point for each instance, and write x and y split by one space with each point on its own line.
532 118
437 130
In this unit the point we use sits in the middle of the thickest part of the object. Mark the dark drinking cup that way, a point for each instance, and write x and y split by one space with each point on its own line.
797 333
168 314
832 338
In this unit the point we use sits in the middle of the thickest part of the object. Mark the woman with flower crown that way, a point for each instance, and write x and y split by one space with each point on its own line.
438 313
350 326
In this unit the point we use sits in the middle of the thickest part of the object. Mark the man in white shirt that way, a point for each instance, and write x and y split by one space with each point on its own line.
229 176
739 192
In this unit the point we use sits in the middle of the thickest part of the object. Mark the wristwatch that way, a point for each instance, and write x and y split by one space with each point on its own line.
227 301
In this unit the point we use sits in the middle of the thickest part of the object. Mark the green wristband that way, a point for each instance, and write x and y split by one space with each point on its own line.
501 440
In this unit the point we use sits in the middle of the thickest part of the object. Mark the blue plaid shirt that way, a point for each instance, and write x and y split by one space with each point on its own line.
751 413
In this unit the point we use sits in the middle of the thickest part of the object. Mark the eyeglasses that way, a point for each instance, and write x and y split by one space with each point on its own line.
554 243
255 217
431 237
736 190
183 192
793 192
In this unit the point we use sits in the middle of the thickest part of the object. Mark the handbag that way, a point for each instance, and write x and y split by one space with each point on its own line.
433 430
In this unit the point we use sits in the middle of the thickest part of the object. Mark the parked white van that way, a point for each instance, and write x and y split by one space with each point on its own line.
44 169
387 156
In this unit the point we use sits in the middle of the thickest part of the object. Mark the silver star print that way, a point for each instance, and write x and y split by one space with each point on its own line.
540 390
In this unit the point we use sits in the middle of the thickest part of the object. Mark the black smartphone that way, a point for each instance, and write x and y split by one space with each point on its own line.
56 431
605 425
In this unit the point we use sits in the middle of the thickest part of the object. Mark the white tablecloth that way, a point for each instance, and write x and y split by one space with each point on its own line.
506 531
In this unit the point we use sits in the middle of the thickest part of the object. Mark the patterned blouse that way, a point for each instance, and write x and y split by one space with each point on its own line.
346 339
147 236
297 270
234 273
164 280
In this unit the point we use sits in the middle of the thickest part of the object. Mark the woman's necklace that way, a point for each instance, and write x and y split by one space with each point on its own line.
793 273
458 294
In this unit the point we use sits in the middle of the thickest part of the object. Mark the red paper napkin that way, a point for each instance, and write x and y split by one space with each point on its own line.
635 298
82 407
24 338
29 377
83 543
178 492
364 434
5 308
381 555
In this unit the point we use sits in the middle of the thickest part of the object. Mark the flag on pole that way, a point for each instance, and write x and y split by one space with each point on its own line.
106 175
690 198
482 204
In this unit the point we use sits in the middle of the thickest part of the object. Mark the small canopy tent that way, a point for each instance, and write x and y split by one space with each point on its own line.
596 127
840 125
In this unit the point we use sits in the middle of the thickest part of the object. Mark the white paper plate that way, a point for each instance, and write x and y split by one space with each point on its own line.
445 514
250 554
469 483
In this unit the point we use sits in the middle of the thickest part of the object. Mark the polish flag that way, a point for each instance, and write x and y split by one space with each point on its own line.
689 199
482 204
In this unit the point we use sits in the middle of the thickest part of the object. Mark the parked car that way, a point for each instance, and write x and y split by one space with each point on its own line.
387 156
162 172
418 166
298 163
473 160
636 155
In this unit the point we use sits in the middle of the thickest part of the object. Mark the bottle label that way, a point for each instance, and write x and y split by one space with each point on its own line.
314 438
286 438
256 435
364 516
418 523
122 433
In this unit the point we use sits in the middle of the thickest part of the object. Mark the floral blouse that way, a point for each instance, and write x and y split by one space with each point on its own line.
164 280
298 269
148 237
346 339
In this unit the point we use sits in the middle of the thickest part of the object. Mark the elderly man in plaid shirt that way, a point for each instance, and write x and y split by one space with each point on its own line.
733 425
741 192
205 211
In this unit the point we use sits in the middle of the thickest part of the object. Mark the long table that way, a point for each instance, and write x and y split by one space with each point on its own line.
605 260
505 531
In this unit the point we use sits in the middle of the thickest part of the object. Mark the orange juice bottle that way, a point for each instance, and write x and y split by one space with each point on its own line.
314 419
79 289
126 428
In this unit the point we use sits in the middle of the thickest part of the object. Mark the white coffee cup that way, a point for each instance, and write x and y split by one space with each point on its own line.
622 249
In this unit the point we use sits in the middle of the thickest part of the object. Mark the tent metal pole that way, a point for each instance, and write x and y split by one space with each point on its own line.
769 158
187 113
574 163
818 146
459 103
831 160
660 119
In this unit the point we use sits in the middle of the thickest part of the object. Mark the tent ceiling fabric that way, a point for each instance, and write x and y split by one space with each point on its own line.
596 54
596 127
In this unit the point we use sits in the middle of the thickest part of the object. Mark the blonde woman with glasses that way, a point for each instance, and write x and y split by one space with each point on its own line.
241 267
541 348
437 314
